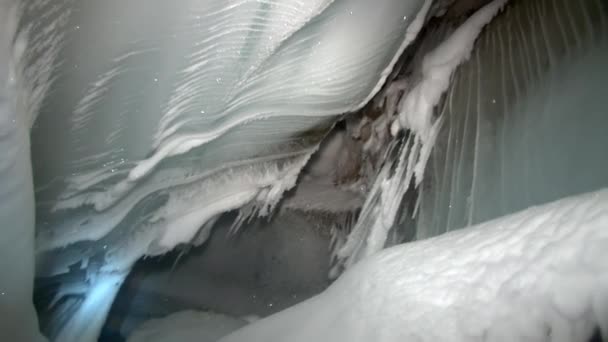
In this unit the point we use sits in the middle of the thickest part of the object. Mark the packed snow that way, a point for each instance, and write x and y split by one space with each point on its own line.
537 275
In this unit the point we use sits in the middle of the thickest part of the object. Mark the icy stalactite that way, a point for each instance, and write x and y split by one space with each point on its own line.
415 113
173 115
537 275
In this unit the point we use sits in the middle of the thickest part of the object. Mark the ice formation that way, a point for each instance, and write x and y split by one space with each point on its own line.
415 113
261 72
179 113
18 322
187 326
85 324
537 275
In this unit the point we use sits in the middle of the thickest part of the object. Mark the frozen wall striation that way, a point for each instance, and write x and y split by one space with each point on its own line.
162 116
415 113
537 275
187 326
18 319
45 38
524 118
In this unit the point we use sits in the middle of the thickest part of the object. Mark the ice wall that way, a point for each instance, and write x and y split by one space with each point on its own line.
536 275
18 320
161 116
405 162
153 100
525 118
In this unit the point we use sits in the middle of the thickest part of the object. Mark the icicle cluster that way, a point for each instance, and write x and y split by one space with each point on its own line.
415 114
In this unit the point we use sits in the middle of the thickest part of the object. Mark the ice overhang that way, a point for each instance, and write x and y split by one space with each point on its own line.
152 120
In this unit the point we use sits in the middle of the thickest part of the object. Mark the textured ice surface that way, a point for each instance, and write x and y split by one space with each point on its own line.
209 95
18 319
141 139
537 275
86 323
525 117
162 116
520 122
250 273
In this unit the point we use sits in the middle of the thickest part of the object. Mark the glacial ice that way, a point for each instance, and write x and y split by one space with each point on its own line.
148 124
537 275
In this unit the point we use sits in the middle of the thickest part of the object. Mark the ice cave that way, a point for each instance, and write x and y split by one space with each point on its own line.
303 170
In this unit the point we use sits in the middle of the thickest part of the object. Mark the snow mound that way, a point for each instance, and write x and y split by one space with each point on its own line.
537 275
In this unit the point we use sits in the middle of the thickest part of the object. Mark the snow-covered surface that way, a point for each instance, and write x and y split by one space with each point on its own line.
537 275
415 113
187 326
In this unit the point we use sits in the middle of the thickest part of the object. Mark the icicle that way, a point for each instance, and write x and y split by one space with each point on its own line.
415 114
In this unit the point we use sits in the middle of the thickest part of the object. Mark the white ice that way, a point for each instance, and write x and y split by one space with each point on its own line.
213 88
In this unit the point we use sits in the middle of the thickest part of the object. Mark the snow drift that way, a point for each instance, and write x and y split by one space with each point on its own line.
537 275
